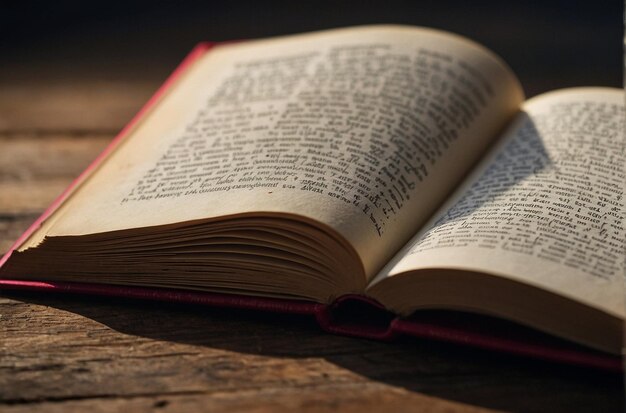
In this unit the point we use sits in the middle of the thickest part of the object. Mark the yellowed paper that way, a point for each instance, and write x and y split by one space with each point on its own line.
544 208
365 130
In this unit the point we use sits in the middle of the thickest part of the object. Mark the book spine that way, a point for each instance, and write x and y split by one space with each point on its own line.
548 350
360 316
357 316
168 295
349 315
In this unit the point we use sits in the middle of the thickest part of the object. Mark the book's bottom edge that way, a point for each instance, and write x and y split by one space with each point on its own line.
359 316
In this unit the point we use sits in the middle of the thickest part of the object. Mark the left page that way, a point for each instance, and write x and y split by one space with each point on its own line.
362 130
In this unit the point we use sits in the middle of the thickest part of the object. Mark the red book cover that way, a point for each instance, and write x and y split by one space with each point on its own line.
345 315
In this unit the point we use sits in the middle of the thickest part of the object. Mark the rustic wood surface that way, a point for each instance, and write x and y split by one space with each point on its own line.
68 353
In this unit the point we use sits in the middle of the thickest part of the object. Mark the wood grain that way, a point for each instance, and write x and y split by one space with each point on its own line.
77 105
82 353
70 354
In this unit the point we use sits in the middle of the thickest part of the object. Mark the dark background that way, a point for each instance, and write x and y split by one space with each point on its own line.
549 44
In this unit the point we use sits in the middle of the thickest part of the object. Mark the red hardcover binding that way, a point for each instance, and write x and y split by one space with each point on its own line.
379 325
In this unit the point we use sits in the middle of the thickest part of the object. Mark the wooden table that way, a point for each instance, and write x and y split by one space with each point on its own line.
64 354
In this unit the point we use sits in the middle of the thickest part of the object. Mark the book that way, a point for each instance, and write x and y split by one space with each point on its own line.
367 176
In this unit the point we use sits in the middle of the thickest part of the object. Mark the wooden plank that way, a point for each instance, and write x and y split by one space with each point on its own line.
11 227
85 362
317 399
379 399
62 105
108 354
36 168
34 156
30 197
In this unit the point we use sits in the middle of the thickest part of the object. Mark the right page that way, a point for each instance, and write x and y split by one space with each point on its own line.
544 209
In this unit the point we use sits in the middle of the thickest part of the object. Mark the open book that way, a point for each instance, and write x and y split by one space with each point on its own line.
396 163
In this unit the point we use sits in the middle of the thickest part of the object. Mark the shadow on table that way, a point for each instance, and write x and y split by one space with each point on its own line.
446 371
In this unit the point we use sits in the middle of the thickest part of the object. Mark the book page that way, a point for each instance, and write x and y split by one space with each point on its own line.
545 208
355 129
